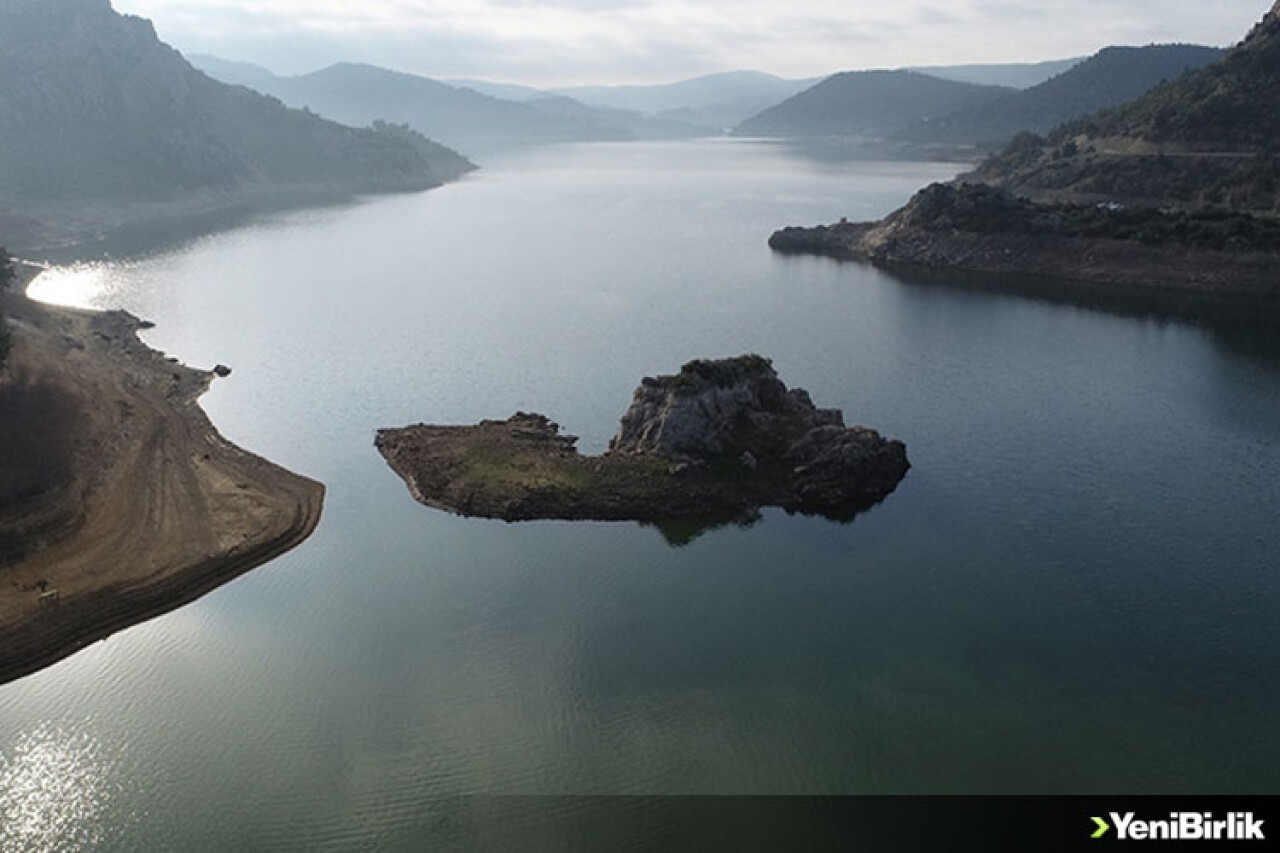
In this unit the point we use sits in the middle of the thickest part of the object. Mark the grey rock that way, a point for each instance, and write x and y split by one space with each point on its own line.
738 408
701 410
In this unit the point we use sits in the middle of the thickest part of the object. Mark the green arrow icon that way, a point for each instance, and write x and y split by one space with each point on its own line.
1103 826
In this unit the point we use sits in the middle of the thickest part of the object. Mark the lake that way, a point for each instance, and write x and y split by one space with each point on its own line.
1075 590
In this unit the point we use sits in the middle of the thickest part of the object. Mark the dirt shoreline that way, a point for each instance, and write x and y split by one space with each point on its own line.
138 505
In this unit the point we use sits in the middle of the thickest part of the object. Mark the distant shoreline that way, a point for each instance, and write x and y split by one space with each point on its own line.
41 232
143 507
1110 264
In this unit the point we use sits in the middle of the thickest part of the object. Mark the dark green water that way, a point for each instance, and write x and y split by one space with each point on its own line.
1074 590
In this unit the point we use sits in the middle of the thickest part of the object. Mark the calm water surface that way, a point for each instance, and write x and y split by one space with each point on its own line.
1074 590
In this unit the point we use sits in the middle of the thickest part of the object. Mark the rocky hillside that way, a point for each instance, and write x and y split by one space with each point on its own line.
1113 76
1178 190
1207 139
103 120
1231 105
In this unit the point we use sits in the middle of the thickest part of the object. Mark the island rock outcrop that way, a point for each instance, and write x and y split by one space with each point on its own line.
711 406
719 437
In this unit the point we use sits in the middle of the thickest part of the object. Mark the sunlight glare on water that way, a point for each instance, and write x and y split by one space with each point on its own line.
77 285
53 790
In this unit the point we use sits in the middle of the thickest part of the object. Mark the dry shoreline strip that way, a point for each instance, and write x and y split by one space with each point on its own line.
141 506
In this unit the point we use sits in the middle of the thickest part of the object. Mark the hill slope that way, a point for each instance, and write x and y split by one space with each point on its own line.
1113 76
105 123
872 104
1206 139
1230 105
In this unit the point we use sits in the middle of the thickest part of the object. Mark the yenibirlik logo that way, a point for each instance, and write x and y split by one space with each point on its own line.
1182 826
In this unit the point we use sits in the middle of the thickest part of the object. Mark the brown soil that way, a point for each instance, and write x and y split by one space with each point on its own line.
119 500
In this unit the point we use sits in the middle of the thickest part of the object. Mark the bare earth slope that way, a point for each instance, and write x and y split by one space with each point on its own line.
138 506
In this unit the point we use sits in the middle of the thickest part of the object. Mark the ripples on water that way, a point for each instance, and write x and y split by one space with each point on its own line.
1073 590
55 787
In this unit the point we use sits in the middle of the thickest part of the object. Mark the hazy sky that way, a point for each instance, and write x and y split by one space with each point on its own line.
546 42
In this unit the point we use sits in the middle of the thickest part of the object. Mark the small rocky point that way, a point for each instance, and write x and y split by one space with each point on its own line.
723 436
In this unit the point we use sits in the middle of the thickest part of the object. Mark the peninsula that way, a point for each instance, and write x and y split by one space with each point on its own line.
1175 191
119 500
720 437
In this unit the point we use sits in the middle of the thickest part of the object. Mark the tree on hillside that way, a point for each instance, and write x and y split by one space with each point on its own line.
6 277
6 269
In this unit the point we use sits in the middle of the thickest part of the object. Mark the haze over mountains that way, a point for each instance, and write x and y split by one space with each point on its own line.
910 112
105 123
716 101
719 101
103 116
478 116
459 117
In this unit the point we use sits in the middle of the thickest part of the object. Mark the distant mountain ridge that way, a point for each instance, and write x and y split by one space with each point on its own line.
103 121
1232 104
920 110
1112 76
715 101
461 117
869 104
1015 75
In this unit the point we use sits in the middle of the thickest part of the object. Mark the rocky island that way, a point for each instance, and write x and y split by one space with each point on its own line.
718 438
1177 191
